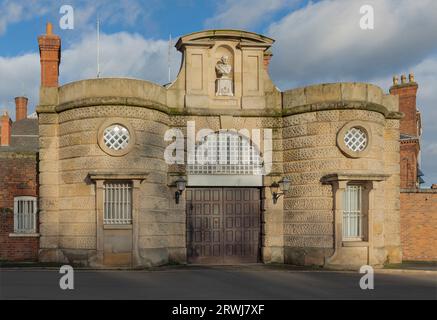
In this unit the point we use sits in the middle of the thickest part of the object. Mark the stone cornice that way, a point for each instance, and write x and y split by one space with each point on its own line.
343 105
346 176
211 35
109 101
276 113
45 109
106 175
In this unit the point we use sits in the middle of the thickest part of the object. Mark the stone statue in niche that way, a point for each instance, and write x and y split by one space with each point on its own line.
224 80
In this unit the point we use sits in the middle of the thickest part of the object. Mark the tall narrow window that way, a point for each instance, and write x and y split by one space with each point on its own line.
25 210
353 213
118 203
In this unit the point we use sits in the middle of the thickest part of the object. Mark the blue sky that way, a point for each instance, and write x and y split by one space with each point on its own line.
316 41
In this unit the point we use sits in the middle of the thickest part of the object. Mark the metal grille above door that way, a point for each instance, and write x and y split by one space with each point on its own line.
223 225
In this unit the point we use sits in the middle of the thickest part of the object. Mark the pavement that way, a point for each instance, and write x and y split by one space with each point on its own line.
255 282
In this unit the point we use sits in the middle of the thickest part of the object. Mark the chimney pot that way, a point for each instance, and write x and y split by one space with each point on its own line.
49 29
395 80
411 77
21 108
403 79
434 187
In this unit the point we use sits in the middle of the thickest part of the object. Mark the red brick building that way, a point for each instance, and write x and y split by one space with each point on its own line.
19 240
418 206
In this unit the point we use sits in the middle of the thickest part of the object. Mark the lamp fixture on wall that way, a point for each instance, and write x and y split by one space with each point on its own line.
181 185
282 186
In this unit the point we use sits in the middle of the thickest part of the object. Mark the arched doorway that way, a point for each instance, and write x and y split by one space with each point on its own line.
224 201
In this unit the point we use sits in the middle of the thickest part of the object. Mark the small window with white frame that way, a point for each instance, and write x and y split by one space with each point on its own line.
117 203
353 215
25 215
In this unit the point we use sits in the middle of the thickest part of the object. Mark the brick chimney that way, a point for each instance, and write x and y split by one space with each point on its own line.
410 130
407 92
50 53
6 124
267 58
21 108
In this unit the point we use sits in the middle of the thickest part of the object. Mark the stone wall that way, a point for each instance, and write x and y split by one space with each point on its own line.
79 155
419 225
316 115
299 229
70 152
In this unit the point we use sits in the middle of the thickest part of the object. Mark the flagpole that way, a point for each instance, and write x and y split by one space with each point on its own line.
169 58
98 47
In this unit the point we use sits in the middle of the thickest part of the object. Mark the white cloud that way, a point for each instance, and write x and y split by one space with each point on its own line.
244 13
123 12
22 74
426 75
431 150
323 41
122 55
16 11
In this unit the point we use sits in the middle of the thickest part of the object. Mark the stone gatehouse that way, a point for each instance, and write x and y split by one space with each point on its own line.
108 197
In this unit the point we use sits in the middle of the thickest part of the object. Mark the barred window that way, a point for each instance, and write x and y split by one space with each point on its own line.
226 153
25 211
118 203
353 213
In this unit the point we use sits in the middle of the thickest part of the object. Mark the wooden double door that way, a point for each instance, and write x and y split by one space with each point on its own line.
223 225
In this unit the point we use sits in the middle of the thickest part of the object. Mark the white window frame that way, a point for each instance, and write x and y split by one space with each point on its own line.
117 203
25 215
353 218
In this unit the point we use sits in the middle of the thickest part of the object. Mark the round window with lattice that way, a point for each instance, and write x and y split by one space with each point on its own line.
354 139
116 137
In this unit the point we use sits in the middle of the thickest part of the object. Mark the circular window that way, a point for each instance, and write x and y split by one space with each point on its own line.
356 139
116 137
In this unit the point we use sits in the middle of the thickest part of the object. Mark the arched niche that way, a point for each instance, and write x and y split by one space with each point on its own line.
224 71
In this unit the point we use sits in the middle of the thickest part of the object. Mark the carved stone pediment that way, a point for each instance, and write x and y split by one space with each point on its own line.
210 37
224 69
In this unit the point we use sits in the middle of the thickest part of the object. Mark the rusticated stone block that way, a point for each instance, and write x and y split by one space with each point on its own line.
295 131
313 216
309 241
308 203
308 229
